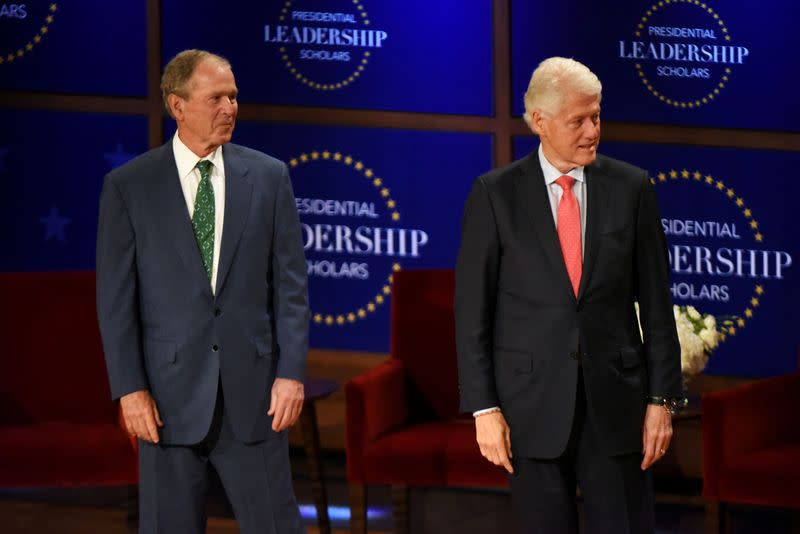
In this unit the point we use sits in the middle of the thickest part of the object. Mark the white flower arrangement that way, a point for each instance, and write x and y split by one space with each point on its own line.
698 336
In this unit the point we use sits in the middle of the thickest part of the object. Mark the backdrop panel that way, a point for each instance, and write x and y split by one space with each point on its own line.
703 63
403 56
80 46
371 201
52 166
730 220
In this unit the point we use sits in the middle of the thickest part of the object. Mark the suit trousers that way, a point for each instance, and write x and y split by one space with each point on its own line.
257 478
617 495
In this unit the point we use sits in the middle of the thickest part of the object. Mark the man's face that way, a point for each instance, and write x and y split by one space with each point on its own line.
570 137
207 116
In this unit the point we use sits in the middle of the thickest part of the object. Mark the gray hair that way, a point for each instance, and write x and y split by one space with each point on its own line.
553 79
179 71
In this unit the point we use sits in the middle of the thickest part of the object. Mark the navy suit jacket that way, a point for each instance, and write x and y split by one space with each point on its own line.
164 330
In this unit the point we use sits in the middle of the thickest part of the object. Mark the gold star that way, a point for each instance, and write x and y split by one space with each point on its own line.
390 278
351 317
662 177
396 267
293 162
391 204
43 29
2 60
748 312
673 174
684 173
371 307
326 155
697 175
720 185
10 57
377 182
740 322
395 216
379 299
53 7
340 320
730 193
754 302
362 313
368 173
29 47
386 290
384 192
49 19
732 331
37 39
315 155
359 165
337 156
759 237
348 160
303 158
760 290
329 320
709 180
739 202
747 212
318 317
754 224
20 53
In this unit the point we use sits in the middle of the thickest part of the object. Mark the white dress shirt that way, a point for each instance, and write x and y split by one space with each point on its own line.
189 175
551 174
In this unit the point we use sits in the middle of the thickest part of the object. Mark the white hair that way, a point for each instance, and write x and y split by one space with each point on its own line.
553 79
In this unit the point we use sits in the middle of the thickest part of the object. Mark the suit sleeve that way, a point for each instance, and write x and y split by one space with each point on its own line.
290 284
476 291
117 295
662 351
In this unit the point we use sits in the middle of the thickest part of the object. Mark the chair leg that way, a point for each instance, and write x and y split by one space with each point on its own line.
358 509
716 517
400 497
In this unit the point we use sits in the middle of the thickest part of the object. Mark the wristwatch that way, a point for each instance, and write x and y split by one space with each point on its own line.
674 405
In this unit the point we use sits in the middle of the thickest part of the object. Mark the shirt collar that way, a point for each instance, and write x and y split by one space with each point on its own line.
551 174
186 160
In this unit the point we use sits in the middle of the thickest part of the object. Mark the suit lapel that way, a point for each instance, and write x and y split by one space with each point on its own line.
533 195
238 191
172 204
596 193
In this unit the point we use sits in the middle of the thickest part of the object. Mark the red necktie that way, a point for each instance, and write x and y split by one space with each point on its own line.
569 230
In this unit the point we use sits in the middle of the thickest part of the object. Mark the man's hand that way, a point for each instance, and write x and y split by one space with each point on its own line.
494 439
286 403
657 434
141 415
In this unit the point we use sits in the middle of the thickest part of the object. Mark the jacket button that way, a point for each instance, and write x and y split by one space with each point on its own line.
217 312
215 348
574 355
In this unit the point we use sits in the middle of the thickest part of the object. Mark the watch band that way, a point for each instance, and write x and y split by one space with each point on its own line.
674 405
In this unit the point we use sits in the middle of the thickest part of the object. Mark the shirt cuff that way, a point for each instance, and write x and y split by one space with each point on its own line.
487 410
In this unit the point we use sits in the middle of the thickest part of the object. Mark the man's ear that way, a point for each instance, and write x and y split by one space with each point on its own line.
537 122
175 105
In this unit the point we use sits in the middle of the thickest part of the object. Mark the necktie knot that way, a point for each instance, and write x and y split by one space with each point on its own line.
204 166
566 182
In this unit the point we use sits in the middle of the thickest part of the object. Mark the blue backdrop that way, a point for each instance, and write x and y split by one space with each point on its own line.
412 56
52 165
80 46
744 265
714 63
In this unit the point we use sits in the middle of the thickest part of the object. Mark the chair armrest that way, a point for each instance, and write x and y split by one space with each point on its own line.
747 418
376 403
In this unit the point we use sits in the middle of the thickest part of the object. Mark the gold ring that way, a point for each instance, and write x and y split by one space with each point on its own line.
663 451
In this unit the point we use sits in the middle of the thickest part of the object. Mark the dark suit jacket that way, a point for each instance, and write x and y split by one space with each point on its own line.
163 330
520 330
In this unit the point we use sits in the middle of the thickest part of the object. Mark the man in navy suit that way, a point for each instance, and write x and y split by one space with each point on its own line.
203 309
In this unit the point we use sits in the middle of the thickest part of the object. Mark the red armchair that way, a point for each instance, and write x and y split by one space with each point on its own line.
58 425
403 425
751 447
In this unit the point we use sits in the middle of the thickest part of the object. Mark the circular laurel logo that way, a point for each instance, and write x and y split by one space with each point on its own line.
324 49
683 52
353 235
22 27
716 248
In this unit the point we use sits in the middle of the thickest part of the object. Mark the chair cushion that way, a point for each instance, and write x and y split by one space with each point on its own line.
412 456
66 454
463 463
769 477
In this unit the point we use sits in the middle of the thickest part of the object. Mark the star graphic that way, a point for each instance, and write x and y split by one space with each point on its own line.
54 225
119 157
3 153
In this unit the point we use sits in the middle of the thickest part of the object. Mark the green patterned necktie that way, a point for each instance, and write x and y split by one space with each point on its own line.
203 218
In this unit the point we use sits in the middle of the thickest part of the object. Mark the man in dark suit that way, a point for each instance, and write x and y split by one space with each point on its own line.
556 249
202 303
